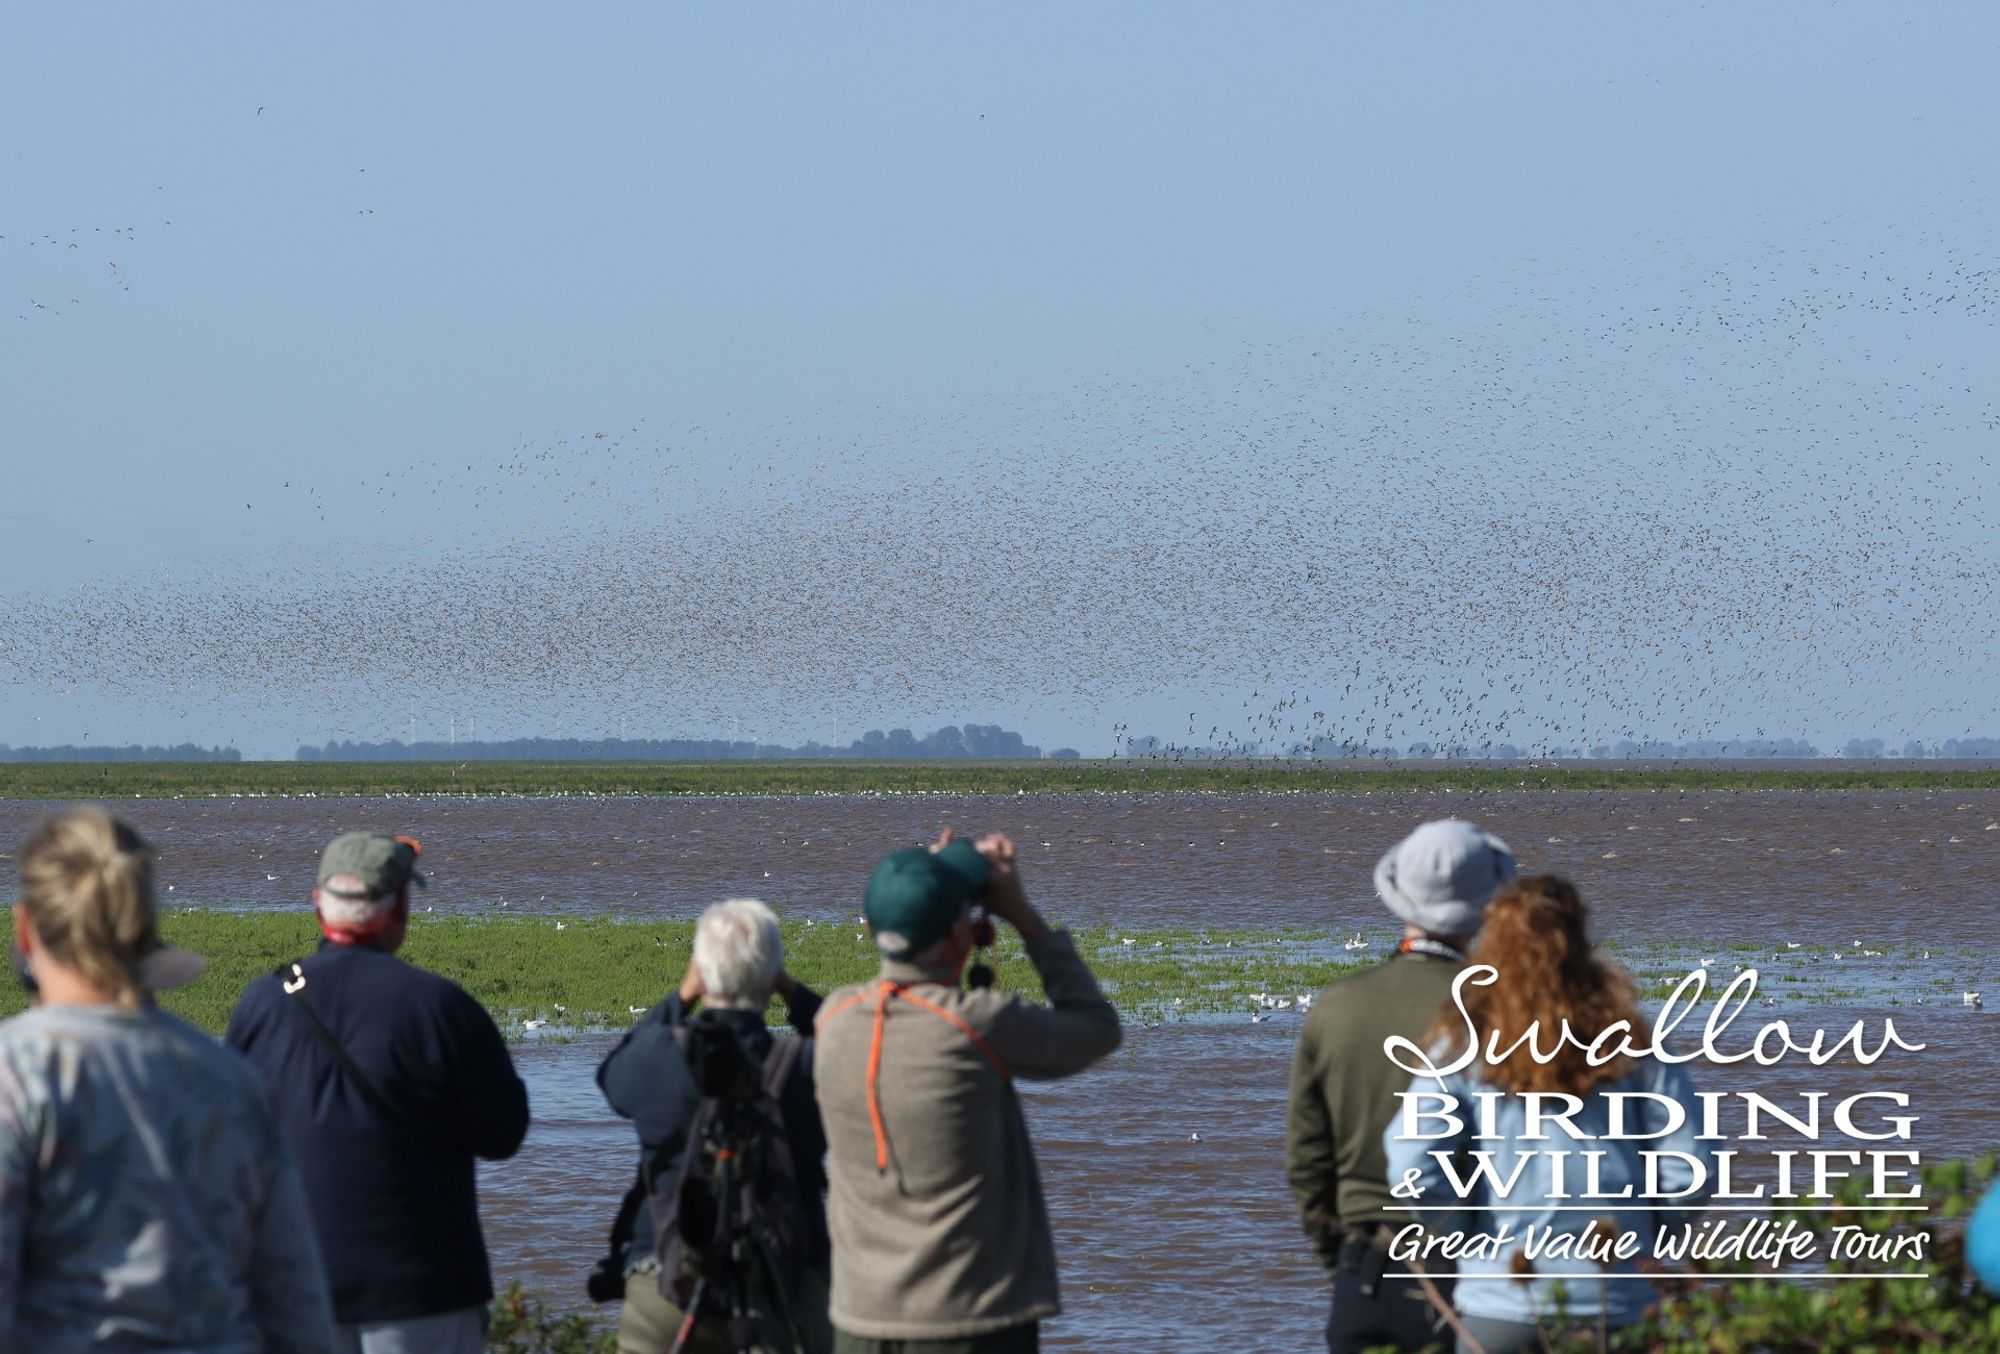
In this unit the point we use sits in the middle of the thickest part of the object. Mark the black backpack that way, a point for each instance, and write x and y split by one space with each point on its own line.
768 1210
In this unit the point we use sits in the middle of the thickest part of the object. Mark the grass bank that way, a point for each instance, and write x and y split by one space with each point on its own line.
125 780
589 974
592 972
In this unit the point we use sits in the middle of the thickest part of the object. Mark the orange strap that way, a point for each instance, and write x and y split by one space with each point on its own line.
882 996
874 1072
963 1028
829 1012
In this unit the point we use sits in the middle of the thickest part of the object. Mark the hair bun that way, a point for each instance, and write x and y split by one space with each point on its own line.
87 884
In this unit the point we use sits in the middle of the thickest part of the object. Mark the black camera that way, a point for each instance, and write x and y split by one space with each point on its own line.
721 1066
606 1283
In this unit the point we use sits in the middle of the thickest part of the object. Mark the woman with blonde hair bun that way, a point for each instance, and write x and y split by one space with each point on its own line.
146 1197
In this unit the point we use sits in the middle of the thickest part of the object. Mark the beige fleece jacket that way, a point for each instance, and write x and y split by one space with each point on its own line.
951 1239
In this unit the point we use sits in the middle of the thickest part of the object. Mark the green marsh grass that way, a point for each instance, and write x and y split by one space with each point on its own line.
522 967
125 780
517 967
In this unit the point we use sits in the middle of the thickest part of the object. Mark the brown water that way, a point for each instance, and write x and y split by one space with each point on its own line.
1656 866
1167 1243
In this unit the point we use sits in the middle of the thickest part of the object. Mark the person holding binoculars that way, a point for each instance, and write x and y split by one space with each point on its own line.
941 1240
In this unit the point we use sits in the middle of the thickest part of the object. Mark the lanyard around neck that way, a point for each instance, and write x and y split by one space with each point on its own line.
1436 949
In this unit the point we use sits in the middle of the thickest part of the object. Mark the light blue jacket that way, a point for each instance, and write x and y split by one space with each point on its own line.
1487 1286
1982 1241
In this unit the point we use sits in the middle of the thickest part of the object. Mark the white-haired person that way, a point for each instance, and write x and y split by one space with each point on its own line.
147 1199
736 968
391 1083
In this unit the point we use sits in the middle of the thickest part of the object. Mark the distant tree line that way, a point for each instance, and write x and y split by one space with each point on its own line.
984 742
70 752
1949 748
1335 749
1751 748
1745 749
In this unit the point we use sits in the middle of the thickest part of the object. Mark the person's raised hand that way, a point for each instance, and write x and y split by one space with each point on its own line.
692 989
1004 897
998 848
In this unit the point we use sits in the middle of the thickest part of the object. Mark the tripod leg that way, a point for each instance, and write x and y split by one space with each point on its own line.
692 1315
742 1325
779 1300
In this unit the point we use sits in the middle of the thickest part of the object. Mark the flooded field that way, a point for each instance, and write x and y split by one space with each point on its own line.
1889 898
1783 865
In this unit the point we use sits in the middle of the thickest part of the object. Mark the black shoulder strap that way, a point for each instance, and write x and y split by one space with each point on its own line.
628 1212
292 980
778 1063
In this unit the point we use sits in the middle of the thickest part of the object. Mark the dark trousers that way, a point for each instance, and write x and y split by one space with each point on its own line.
1371 1310
1025 1339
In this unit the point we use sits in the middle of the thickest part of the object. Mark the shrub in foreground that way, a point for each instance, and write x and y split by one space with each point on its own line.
523 1324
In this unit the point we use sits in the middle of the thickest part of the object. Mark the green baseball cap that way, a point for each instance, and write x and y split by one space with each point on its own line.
916 895
381 862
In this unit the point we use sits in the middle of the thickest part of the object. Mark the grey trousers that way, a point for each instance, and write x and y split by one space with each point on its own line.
1511 1337
1499 1337
459 1332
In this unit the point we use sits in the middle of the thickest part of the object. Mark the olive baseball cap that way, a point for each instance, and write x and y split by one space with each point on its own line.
916 895
381 862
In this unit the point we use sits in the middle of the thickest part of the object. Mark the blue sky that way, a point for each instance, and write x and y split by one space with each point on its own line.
1006 365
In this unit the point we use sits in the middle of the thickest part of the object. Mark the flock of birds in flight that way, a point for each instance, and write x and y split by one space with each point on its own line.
1629 498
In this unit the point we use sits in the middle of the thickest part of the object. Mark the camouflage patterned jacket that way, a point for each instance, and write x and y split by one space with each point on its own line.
146 1197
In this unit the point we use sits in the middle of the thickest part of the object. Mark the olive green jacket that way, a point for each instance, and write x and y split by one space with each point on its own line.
1344 1094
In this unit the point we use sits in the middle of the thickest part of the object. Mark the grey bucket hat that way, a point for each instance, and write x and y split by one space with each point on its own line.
1440 877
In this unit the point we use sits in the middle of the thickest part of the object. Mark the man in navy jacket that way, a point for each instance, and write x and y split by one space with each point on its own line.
389 1081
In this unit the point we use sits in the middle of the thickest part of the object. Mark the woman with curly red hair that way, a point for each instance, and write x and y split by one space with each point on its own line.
1540 1110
